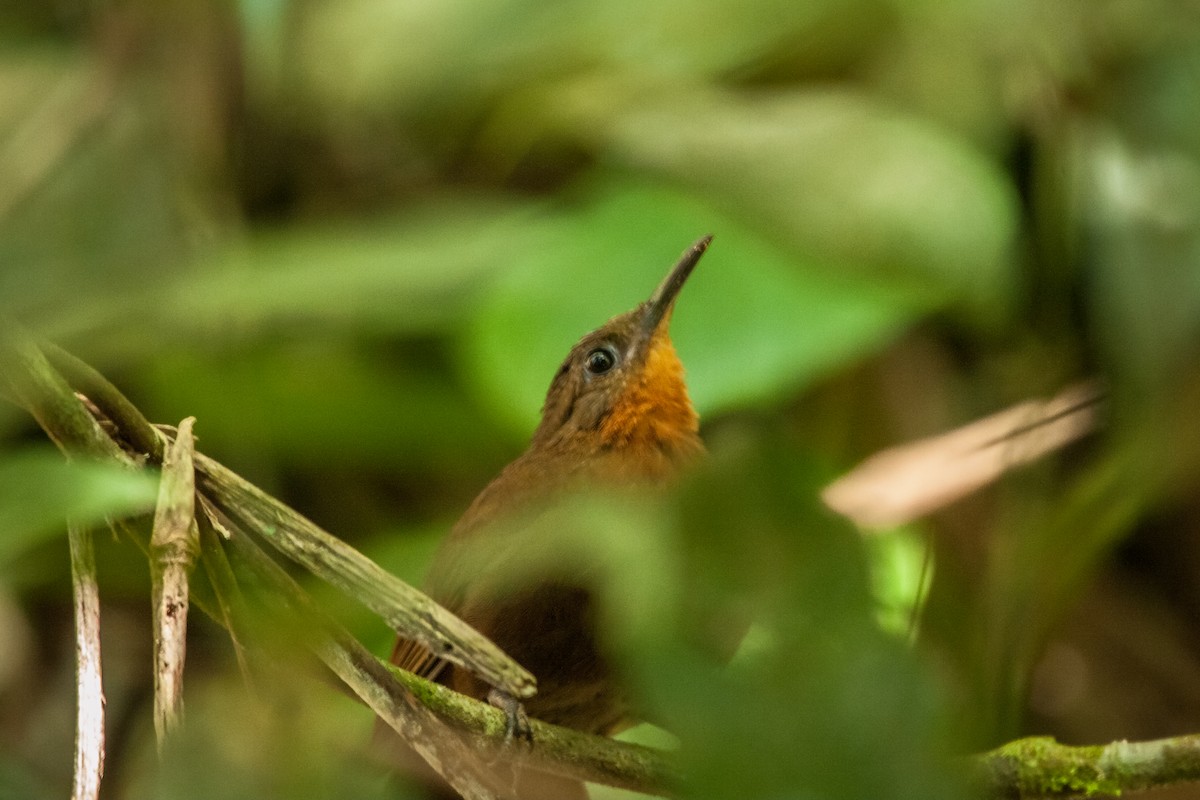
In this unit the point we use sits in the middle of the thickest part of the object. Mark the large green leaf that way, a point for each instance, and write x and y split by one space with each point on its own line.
837 175
452 58
755 320
405 274
323 403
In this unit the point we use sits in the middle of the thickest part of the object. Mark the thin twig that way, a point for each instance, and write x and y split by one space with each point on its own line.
89 720
174 546
225 590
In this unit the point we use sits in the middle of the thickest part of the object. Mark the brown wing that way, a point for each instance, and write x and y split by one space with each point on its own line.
519 487
416 658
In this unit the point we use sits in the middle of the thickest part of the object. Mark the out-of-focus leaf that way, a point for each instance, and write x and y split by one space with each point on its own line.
818 707
39 491
754 321
841 177
407 275
1143 213
425 58
901 572
824 704
322 402
99 209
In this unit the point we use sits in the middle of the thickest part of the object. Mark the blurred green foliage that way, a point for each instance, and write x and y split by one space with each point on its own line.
38 491
355 239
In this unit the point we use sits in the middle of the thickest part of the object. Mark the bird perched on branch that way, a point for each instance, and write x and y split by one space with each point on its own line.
617 414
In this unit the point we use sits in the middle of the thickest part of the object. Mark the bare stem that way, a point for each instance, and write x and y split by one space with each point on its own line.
174 546
89 720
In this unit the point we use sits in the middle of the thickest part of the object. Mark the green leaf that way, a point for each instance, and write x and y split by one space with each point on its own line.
39 492
403 274
324 403
839 176
754 322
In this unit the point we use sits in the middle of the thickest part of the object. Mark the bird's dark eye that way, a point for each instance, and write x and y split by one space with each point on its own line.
600 360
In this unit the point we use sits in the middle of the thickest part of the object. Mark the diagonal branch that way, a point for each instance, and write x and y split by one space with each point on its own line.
404 608
409 611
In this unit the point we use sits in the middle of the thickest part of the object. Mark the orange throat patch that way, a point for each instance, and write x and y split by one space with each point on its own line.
654 408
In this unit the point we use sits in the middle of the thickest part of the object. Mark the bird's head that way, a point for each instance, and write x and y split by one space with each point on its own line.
622 385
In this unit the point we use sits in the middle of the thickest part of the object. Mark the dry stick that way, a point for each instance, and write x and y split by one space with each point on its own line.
174 546
405 609
225 589
409 611
89 720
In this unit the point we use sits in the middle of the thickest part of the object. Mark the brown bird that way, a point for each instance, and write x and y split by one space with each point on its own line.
617 414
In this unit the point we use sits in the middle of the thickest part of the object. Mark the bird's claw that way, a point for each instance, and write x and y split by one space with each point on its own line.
516 721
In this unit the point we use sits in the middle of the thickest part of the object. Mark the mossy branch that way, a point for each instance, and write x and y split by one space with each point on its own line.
1039 767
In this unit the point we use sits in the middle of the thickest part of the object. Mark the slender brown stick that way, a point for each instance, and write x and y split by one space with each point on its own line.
89 720
174 546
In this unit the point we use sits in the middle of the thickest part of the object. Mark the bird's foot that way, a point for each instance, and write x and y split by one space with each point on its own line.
516 721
